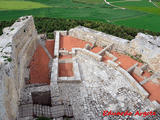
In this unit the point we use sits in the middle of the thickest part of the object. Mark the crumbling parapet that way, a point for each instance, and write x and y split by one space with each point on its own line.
102 52
145 45
148 47
17 45
114 58
132 68
130 79
101 38
87 52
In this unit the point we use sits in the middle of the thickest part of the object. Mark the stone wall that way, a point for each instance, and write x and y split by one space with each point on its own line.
17 45
87 52
139 89
101 39
145 45
149 48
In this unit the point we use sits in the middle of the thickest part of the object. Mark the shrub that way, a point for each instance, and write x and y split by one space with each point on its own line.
50 35
48 25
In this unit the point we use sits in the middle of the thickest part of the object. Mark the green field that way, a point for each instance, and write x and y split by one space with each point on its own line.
138 13
20 5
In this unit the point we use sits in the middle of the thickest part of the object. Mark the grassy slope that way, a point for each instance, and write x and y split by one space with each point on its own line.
91 10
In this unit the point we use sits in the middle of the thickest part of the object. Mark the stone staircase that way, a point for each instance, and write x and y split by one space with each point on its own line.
27 112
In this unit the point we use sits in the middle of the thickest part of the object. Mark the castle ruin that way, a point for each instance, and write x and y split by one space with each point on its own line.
76 76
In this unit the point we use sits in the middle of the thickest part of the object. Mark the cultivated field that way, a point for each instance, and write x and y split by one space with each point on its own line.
137 13
19 5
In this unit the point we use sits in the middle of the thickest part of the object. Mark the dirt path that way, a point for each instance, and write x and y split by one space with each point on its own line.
108 3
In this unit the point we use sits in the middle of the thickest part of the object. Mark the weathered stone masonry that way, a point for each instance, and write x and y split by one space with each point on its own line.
145 45
17 45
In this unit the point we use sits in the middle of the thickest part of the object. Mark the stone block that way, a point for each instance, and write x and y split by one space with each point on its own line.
64 33
25 110
57 111
68 111
112 63
102 52
26 118
111 55
132 68
156 104
144 67
138 71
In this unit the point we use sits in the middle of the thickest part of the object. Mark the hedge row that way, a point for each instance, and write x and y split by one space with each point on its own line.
48 25
5 24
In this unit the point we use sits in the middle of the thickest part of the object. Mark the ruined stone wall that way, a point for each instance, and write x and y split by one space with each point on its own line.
145 45
149 48
99 38
17 45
